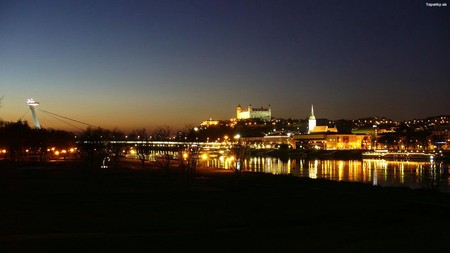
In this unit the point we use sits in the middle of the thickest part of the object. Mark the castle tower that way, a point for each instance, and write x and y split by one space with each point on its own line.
238 112
33 104
312 120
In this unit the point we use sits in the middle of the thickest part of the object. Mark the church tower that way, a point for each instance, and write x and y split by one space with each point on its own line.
238 112
311 121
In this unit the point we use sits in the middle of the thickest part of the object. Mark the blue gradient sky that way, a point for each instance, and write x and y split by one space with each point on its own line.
134 64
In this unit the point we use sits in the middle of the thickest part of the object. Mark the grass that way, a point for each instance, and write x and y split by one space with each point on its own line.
60 207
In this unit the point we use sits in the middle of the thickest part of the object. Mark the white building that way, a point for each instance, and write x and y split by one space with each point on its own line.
314 129
262 113
311 121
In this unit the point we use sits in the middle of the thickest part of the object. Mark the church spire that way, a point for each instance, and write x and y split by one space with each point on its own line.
311 121
312 113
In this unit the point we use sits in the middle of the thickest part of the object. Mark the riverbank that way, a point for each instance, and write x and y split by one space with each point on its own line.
330 154
62 208
310 154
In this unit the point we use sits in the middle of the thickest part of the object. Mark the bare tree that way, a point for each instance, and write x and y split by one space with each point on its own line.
188 128
162 133
142 148
241 153
188 166
93 144
117 148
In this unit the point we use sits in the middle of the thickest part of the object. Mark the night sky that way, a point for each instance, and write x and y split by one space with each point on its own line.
135 64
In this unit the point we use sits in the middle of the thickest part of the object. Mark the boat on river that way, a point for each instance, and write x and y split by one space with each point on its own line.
399 156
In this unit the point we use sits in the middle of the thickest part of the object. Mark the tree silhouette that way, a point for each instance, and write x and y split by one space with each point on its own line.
162 133
25 143
93 145
142 148
240 153
116 148
14 137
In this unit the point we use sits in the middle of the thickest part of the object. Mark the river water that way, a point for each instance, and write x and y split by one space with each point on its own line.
375 172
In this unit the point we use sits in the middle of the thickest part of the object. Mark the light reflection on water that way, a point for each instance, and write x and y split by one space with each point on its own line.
376 172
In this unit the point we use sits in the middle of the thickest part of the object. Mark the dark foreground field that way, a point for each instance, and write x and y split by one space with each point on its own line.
60 207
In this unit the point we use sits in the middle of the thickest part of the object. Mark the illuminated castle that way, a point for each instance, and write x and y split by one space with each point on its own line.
264 114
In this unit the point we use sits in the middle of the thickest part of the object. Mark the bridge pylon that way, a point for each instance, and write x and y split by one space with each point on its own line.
33 104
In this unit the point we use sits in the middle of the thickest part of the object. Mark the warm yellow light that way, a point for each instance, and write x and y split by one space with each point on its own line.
64 151
56 152
53 149
204 156
4 151
72 150
185 155
231 158
132 151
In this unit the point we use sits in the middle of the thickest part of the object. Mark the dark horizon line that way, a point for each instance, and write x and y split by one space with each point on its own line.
273 118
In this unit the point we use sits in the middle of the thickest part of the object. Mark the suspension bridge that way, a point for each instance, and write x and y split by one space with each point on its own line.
213 147
32 104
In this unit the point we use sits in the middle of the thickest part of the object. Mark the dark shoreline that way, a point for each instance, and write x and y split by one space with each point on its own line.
61 207
323 154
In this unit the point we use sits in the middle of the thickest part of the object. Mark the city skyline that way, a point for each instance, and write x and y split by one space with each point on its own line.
141 64
70 124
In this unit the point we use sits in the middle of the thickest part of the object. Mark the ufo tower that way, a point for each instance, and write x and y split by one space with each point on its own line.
33 104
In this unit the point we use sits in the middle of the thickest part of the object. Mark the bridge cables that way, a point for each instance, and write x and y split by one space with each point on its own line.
60 118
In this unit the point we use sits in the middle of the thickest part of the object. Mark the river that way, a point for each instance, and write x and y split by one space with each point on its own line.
414 175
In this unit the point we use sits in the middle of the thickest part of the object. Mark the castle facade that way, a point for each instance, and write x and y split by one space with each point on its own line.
262 113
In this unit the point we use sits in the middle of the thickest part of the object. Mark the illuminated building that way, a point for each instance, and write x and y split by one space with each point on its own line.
313 128
262 113
311 121
323 129
441 137
325 137
210 122
332 141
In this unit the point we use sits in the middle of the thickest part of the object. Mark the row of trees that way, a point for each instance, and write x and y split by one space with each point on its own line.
20 141
97 143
